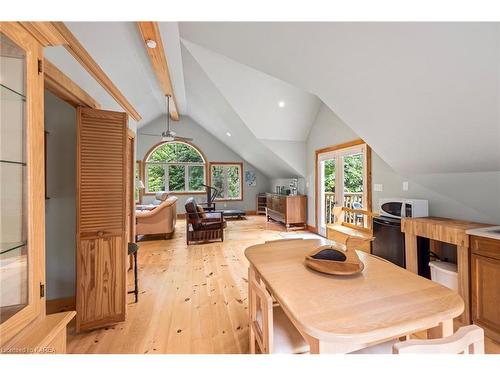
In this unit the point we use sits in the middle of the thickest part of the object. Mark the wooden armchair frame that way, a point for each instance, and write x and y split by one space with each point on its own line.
204 233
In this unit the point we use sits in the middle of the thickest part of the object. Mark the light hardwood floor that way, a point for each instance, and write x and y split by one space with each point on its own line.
192 299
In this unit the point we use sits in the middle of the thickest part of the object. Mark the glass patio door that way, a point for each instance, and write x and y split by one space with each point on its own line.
341 182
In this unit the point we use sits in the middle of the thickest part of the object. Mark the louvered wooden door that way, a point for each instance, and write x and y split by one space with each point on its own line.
101 218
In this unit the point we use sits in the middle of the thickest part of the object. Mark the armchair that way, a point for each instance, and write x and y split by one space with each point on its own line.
201 226
159 220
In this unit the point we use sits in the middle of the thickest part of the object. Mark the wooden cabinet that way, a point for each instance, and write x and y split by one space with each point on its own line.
261 204
24 325
101 218
485 270
291 210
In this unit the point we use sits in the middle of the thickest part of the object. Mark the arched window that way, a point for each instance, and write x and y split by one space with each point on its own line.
175 166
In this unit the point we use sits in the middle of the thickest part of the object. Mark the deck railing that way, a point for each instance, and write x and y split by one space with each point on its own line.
351 200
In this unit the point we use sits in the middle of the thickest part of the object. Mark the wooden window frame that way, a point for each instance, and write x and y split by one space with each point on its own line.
145 164
367 180
140 177
226 164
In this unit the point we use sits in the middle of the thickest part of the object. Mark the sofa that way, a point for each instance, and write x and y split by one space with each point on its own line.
158 218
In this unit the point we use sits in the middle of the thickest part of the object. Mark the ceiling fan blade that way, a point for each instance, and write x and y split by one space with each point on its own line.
151 135
183 139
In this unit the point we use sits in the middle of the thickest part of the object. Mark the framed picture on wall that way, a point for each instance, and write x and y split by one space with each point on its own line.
250 178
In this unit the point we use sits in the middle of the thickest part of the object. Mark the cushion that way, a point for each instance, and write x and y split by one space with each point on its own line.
192 213
201 212
213 225
161 196
213 216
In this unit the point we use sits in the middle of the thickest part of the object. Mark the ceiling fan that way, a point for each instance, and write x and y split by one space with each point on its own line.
168 135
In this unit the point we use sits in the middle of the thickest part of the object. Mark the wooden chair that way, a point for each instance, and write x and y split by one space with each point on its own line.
270 328
343 229
203 227
467 340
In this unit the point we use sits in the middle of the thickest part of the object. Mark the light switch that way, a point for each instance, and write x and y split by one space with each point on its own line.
378 187
405 185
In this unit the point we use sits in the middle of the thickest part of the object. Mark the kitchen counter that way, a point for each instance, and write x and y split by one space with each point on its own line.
438 229
489 232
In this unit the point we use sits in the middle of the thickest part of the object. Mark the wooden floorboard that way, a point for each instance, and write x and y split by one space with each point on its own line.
192 299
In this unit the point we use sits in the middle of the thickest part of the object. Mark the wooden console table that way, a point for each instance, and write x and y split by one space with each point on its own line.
442 230
291 210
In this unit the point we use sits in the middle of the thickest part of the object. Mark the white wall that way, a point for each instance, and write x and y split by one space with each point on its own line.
214 150
60 209
466 196
301 184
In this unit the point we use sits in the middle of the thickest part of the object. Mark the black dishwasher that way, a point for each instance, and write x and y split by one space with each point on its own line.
389 243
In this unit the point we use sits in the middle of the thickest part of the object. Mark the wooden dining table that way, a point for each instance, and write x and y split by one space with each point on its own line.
341 314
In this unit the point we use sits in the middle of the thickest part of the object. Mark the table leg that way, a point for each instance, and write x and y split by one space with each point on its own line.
252 309
411 252
136 285
463 281
324 347
444 329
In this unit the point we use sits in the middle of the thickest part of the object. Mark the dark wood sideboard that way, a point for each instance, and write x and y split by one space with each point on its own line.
291 210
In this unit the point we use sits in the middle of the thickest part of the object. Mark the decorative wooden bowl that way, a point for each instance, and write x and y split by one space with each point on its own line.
333 261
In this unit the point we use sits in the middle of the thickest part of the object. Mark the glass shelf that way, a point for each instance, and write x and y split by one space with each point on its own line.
7 93
5 247
13 162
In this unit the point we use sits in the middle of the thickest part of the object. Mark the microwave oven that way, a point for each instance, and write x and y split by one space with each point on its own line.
402 207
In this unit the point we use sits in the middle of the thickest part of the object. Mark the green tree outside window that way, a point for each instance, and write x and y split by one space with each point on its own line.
175 166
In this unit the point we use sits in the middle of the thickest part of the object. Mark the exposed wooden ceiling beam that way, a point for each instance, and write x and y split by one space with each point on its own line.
62 86
45 33
150 31
83 57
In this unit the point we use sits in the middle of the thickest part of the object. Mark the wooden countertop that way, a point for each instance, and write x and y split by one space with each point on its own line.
440 228
443 221
382 302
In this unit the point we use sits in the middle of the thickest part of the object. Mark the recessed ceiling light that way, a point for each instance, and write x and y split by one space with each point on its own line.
228 134
151 43
281 104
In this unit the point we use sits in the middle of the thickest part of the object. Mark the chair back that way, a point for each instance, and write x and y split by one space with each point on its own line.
467 340
261 316
192 215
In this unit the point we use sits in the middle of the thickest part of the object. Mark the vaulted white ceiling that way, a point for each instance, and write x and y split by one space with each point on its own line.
425 96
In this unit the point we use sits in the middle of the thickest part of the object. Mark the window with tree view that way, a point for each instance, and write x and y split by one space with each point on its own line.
175 166
227 179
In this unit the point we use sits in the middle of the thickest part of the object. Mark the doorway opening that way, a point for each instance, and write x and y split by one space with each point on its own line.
343 179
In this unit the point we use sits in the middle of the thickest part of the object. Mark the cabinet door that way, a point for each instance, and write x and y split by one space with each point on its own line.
486 292
101 218
22 203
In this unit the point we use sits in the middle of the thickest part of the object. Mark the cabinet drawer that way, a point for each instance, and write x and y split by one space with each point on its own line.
485 246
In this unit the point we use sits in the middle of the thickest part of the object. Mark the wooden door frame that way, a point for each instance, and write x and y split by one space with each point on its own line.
131 136
368 177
